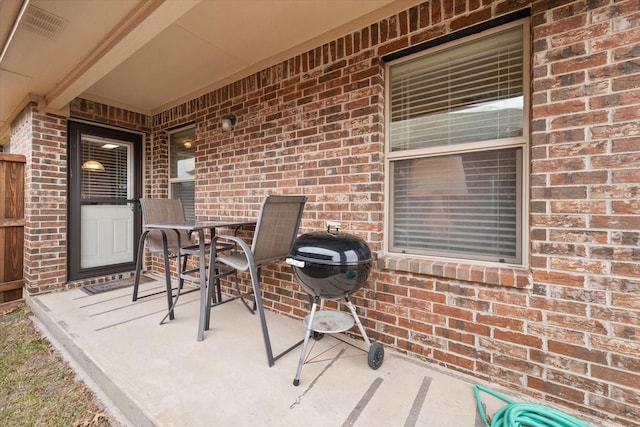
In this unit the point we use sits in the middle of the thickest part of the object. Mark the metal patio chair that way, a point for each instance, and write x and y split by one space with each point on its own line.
161 211
165 211
276 230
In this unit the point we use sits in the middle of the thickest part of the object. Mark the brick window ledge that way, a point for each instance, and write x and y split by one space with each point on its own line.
510 276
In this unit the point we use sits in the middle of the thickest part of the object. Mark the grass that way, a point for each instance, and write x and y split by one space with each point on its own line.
37 387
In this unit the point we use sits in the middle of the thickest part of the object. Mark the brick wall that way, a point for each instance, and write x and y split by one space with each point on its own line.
20 138
585 218
42 139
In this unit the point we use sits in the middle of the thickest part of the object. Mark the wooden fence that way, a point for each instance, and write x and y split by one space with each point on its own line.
11 229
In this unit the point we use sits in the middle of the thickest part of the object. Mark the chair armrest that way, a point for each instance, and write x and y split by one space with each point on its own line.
238 241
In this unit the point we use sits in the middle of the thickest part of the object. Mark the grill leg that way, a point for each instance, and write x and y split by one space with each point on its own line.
303 352
357 320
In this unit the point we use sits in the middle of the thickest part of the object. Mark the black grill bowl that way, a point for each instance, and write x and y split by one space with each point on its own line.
330 265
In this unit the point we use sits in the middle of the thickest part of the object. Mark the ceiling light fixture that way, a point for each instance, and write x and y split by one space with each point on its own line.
92 165
228 122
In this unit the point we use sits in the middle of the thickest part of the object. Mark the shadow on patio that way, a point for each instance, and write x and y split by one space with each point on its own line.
160 375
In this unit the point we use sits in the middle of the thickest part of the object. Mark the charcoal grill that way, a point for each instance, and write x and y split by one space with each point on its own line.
331 266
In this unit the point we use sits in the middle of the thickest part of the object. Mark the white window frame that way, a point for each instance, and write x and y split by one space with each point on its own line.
522 142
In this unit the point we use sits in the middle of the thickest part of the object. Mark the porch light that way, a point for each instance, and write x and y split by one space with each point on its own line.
92 165
228 122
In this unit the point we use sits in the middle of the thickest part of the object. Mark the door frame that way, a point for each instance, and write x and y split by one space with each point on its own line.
75 131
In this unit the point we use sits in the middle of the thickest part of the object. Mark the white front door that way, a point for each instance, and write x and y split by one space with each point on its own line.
106 215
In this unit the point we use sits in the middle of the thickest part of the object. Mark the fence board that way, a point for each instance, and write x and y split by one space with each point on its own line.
11 227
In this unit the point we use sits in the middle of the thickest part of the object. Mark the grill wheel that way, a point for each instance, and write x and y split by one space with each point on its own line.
376 356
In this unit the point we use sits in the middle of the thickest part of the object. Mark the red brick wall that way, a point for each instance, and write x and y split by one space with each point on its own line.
585 218
42 139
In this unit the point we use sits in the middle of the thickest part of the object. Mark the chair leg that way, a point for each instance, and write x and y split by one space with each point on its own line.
218 287
213 281
167 273
136 282
210 296
255 282
216 292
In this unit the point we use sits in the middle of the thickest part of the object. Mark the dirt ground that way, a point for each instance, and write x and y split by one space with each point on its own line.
37 387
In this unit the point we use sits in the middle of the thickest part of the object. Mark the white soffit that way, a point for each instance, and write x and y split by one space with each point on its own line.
220 41
149 55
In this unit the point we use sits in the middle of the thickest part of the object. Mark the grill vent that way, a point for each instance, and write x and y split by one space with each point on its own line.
43 23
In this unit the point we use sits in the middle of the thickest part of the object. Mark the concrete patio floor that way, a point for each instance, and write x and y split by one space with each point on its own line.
159 375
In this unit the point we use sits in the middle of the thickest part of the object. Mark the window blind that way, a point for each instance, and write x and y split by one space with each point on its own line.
458 205
466 93
185 191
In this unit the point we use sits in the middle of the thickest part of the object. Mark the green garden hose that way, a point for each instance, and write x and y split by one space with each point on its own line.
524 414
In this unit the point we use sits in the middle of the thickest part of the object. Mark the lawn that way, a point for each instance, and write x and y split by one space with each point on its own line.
37 387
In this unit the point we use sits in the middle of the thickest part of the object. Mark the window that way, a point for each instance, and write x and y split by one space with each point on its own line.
457 148
182 169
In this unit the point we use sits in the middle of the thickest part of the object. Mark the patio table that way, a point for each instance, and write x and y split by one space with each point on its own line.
202 278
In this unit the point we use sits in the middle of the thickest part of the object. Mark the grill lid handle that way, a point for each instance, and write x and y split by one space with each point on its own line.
334 224
294 262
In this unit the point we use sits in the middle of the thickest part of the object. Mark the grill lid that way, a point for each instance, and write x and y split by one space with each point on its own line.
324 247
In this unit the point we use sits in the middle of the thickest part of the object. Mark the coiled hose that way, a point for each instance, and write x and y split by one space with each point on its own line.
524 414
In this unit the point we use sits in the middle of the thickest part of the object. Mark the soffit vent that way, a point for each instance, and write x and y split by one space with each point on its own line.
43 23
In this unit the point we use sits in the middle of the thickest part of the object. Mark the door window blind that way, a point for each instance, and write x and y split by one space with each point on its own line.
110 183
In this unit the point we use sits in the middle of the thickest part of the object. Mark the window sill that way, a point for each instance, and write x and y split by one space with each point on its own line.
514 277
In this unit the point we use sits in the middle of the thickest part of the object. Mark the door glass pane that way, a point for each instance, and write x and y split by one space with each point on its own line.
110 182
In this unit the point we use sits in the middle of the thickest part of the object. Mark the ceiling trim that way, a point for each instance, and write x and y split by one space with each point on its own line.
112 103
14 28
145 22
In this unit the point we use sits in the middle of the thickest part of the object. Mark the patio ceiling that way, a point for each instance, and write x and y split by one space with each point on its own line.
148 55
